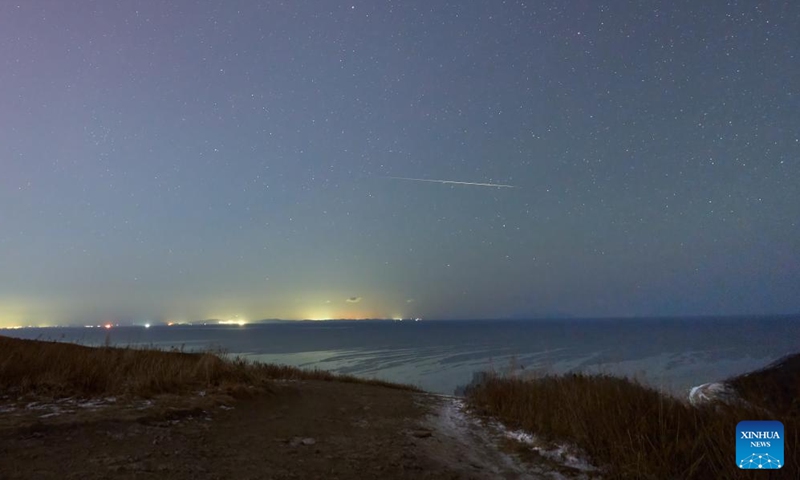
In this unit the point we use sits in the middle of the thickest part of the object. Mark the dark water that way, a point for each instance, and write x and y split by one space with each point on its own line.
671 354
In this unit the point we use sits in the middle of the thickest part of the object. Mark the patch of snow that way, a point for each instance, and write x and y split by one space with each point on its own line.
520 436
69 405
712 392
564 454
38 407
480 440
470 445
97 403
91 404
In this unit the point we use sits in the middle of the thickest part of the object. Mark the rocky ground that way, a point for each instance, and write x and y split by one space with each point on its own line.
301 430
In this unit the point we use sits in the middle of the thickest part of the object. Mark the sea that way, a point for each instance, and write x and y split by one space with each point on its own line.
670 354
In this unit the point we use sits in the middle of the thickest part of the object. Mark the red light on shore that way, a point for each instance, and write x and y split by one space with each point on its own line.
107 325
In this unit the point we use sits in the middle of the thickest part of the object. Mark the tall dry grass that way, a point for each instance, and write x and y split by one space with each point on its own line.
629 430
62 369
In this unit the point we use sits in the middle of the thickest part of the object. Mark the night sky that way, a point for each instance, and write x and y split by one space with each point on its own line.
185 160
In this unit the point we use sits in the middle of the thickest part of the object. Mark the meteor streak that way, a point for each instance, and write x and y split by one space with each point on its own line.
453 182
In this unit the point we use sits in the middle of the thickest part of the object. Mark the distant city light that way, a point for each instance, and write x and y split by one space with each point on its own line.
146 325
241 323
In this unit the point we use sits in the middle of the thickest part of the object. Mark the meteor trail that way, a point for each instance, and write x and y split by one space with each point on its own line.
453 182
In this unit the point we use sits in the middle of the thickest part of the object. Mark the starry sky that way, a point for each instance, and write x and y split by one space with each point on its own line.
184 160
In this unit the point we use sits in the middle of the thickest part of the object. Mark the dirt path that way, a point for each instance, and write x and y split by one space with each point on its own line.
304 430
461 443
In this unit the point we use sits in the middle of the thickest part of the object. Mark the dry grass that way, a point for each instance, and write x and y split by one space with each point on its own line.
775 387
32 367
629 430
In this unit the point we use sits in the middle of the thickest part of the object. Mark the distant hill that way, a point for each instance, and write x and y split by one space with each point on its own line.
538 315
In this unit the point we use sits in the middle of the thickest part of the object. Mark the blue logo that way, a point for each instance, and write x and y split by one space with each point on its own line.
759 445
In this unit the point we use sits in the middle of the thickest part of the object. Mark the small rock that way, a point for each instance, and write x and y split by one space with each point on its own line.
362 424
297 441
422 433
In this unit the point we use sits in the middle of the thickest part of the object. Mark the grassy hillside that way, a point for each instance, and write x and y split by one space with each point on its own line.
635 431
62 369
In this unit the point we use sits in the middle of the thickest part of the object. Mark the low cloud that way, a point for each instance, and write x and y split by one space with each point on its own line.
353 300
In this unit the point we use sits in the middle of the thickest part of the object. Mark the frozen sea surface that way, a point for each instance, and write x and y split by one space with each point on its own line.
670 354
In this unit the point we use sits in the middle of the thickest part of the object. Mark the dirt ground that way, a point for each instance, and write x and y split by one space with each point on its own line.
302 430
